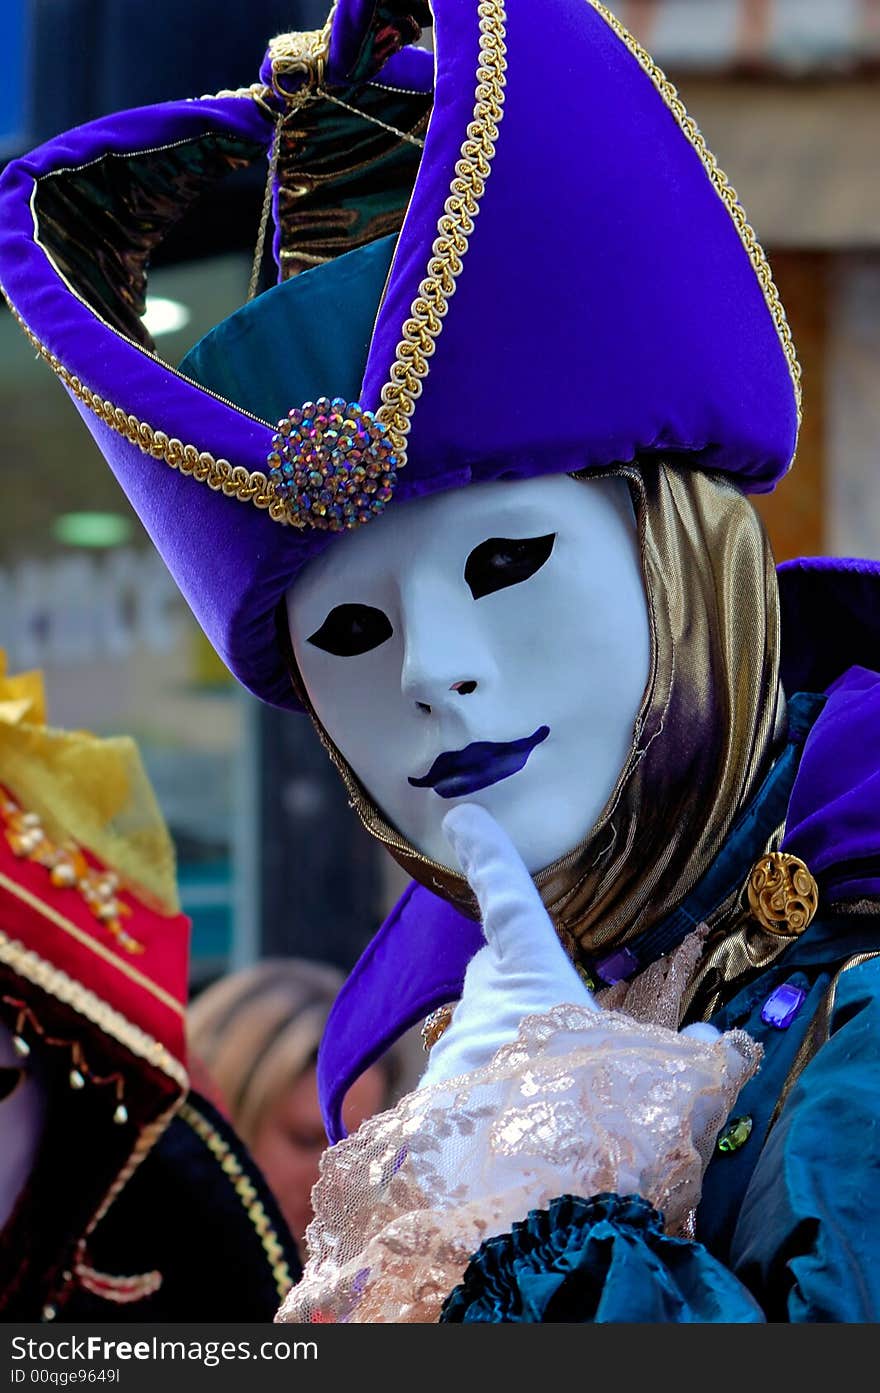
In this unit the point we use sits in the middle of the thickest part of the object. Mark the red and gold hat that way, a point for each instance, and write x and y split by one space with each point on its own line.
88 903
93 954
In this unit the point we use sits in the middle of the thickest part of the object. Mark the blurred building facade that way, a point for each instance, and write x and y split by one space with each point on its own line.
787 93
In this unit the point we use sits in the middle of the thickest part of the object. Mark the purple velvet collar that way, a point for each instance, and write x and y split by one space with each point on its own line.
418 958
834 812
415 962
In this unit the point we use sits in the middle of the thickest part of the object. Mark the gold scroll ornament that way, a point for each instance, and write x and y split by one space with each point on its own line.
783 895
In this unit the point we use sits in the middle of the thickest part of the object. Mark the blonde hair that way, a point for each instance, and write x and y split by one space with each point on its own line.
257 1030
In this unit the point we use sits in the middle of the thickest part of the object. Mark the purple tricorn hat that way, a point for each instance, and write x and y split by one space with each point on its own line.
573 283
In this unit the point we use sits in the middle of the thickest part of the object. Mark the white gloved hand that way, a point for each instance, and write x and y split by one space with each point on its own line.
523 968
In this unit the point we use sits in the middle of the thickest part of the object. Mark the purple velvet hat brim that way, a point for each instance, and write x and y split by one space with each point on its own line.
66 326
609 300
192 526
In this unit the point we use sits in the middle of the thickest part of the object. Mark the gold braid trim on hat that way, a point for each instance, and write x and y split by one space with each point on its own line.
422 330
233 480
27 964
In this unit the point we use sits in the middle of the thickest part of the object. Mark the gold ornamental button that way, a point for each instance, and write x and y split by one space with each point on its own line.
783 894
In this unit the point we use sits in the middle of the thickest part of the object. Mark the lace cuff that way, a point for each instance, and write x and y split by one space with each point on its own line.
582 1102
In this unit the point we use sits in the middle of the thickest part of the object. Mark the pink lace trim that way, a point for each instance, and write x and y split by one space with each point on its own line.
582 1102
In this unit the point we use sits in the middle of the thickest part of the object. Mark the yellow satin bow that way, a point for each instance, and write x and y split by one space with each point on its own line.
83 788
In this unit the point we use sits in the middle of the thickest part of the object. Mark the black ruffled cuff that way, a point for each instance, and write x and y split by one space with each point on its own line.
599 1260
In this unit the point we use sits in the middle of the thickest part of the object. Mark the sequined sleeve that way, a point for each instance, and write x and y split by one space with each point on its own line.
582 1103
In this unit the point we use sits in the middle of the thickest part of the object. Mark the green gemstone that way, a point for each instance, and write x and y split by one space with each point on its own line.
735 1134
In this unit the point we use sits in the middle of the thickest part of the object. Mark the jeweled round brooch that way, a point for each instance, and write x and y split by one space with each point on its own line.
332 464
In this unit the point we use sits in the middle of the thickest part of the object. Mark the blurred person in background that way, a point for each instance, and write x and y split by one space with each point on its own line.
256 1034
119 1184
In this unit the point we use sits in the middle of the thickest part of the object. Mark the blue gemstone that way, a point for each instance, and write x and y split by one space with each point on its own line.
617 966
782 1005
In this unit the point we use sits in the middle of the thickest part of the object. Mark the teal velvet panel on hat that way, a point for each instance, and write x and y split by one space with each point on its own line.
285 346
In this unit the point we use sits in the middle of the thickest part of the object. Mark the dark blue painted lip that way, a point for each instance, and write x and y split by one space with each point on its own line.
460 772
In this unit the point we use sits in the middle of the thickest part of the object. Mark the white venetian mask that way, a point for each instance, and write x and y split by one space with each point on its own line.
488 645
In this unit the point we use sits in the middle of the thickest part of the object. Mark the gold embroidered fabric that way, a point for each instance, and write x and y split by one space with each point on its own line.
581 1102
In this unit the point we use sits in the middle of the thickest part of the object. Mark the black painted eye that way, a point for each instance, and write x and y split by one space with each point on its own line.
503 561
350 630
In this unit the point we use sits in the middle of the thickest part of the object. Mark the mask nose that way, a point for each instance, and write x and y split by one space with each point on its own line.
446 658
464 687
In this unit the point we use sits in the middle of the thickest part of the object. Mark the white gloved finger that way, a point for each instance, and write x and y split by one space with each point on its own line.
493 868
515 923
510 906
